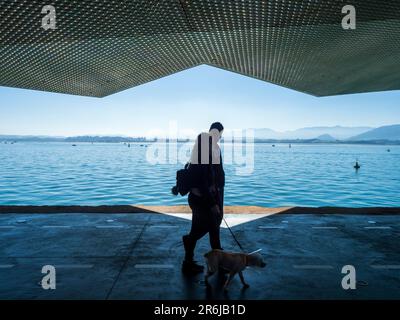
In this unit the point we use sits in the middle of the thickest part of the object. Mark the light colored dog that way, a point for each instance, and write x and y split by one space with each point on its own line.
232 262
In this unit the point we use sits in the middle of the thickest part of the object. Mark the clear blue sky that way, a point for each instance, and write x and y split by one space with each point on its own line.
194 98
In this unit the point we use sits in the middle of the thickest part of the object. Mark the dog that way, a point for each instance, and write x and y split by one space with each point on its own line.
233 263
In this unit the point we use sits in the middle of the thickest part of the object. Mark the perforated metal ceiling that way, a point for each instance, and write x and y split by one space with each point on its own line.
105 46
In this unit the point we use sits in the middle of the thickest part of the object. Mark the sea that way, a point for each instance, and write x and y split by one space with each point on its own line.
260 174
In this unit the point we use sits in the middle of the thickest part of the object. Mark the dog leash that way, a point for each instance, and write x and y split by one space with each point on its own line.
233 235
237 241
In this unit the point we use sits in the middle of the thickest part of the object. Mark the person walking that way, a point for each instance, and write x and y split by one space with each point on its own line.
206 197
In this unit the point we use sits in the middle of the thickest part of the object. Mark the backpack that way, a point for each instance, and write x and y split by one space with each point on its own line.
183 181
184 177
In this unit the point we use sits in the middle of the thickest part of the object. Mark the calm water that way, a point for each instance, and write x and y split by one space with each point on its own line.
94 174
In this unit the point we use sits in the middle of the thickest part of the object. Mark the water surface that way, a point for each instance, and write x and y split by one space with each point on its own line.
107 174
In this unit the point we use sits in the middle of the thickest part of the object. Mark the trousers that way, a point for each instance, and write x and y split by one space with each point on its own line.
203 222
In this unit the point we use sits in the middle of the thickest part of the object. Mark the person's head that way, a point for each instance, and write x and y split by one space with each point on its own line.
216 129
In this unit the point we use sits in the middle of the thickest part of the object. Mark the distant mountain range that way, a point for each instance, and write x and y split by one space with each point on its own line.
326 137
105 139
12 138
335 133
311 134
391 133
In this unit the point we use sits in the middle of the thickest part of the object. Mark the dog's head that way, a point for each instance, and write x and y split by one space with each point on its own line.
256 260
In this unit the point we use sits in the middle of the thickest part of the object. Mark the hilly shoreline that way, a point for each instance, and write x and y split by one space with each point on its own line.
328 135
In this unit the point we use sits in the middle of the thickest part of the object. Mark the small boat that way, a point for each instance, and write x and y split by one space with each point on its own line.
273 146
74 145
388 150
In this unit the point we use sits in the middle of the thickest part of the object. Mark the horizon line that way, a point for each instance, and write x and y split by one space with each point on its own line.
153 136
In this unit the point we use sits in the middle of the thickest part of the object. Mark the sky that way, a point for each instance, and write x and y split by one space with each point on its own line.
192 99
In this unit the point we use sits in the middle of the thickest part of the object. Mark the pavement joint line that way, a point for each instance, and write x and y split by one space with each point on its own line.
312 266
324 227
109 227
154 266
267 227
6 266
67 257
163 226
130 252
66 227
377 227
73 266
386 267
49 227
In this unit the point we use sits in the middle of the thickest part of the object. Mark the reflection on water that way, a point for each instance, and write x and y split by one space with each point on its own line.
94 174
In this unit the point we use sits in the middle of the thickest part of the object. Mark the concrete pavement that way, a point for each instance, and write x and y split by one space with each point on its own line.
138 256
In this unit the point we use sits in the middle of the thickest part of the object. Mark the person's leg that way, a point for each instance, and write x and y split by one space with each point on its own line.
214 231
197 231
215 241
189 265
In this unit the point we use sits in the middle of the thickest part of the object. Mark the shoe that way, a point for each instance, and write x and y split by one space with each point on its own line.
191 267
